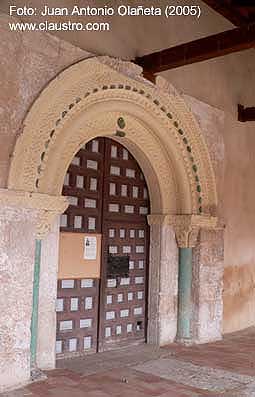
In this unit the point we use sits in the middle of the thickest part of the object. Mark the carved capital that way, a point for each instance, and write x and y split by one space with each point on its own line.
44 223
48 207
186 236
186 227
157 219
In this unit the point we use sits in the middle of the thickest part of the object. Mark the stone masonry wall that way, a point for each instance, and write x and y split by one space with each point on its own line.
29 60
17 237
207 286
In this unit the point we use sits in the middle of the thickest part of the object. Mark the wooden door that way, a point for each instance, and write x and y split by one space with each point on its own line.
124 250
108 195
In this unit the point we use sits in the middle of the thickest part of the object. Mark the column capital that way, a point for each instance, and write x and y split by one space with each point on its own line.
186 227
46 206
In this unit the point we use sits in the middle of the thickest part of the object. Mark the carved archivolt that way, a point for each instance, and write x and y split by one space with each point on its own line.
86 101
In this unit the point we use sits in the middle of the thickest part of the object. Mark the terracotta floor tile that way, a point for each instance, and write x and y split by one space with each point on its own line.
119 378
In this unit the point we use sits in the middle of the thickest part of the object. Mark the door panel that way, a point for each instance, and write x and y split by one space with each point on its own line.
123 309
84 185
77 316
77 331
108 195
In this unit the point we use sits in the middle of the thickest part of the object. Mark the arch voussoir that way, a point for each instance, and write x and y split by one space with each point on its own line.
85 101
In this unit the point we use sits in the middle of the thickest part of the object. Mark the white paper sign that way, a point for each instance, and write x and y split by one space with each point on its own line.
90 248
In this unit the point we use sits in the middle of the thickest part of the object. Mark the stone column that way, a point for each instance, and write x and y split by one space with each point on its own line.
187 229
163 279
23 217
46 339
34 317
184 294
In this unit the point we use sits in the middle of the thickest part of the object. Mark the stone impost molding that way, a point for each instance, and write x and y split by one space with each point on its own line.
186 227
47 206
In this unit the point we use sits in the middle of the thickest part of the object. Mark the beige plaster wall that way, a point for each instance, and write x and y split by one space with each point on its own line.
130 36
216 84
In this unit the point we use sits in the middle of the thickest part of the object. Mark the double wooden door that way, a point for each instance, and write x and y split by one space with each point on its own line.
108 196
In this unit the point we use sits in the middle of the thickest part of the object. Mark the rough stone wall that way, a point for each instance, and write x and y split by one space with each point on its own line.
207 286
211 121
17 236
29 60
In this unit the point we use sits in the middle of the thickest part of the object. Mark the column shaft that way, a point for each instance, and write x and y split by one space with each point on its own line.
34 318
163 285
46 339
184 293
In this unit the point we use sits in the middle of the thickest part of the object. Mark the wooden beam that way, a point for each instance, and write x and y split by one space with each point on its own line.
246 114
149 76
214 46
228 11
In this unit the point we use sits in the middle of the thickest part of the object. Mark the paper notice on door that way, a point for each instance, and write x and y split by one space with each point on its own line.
90 248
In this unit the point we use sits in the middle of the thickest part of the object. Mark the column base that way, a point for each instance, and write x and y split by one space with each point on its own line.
184 341
37 375
207 340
